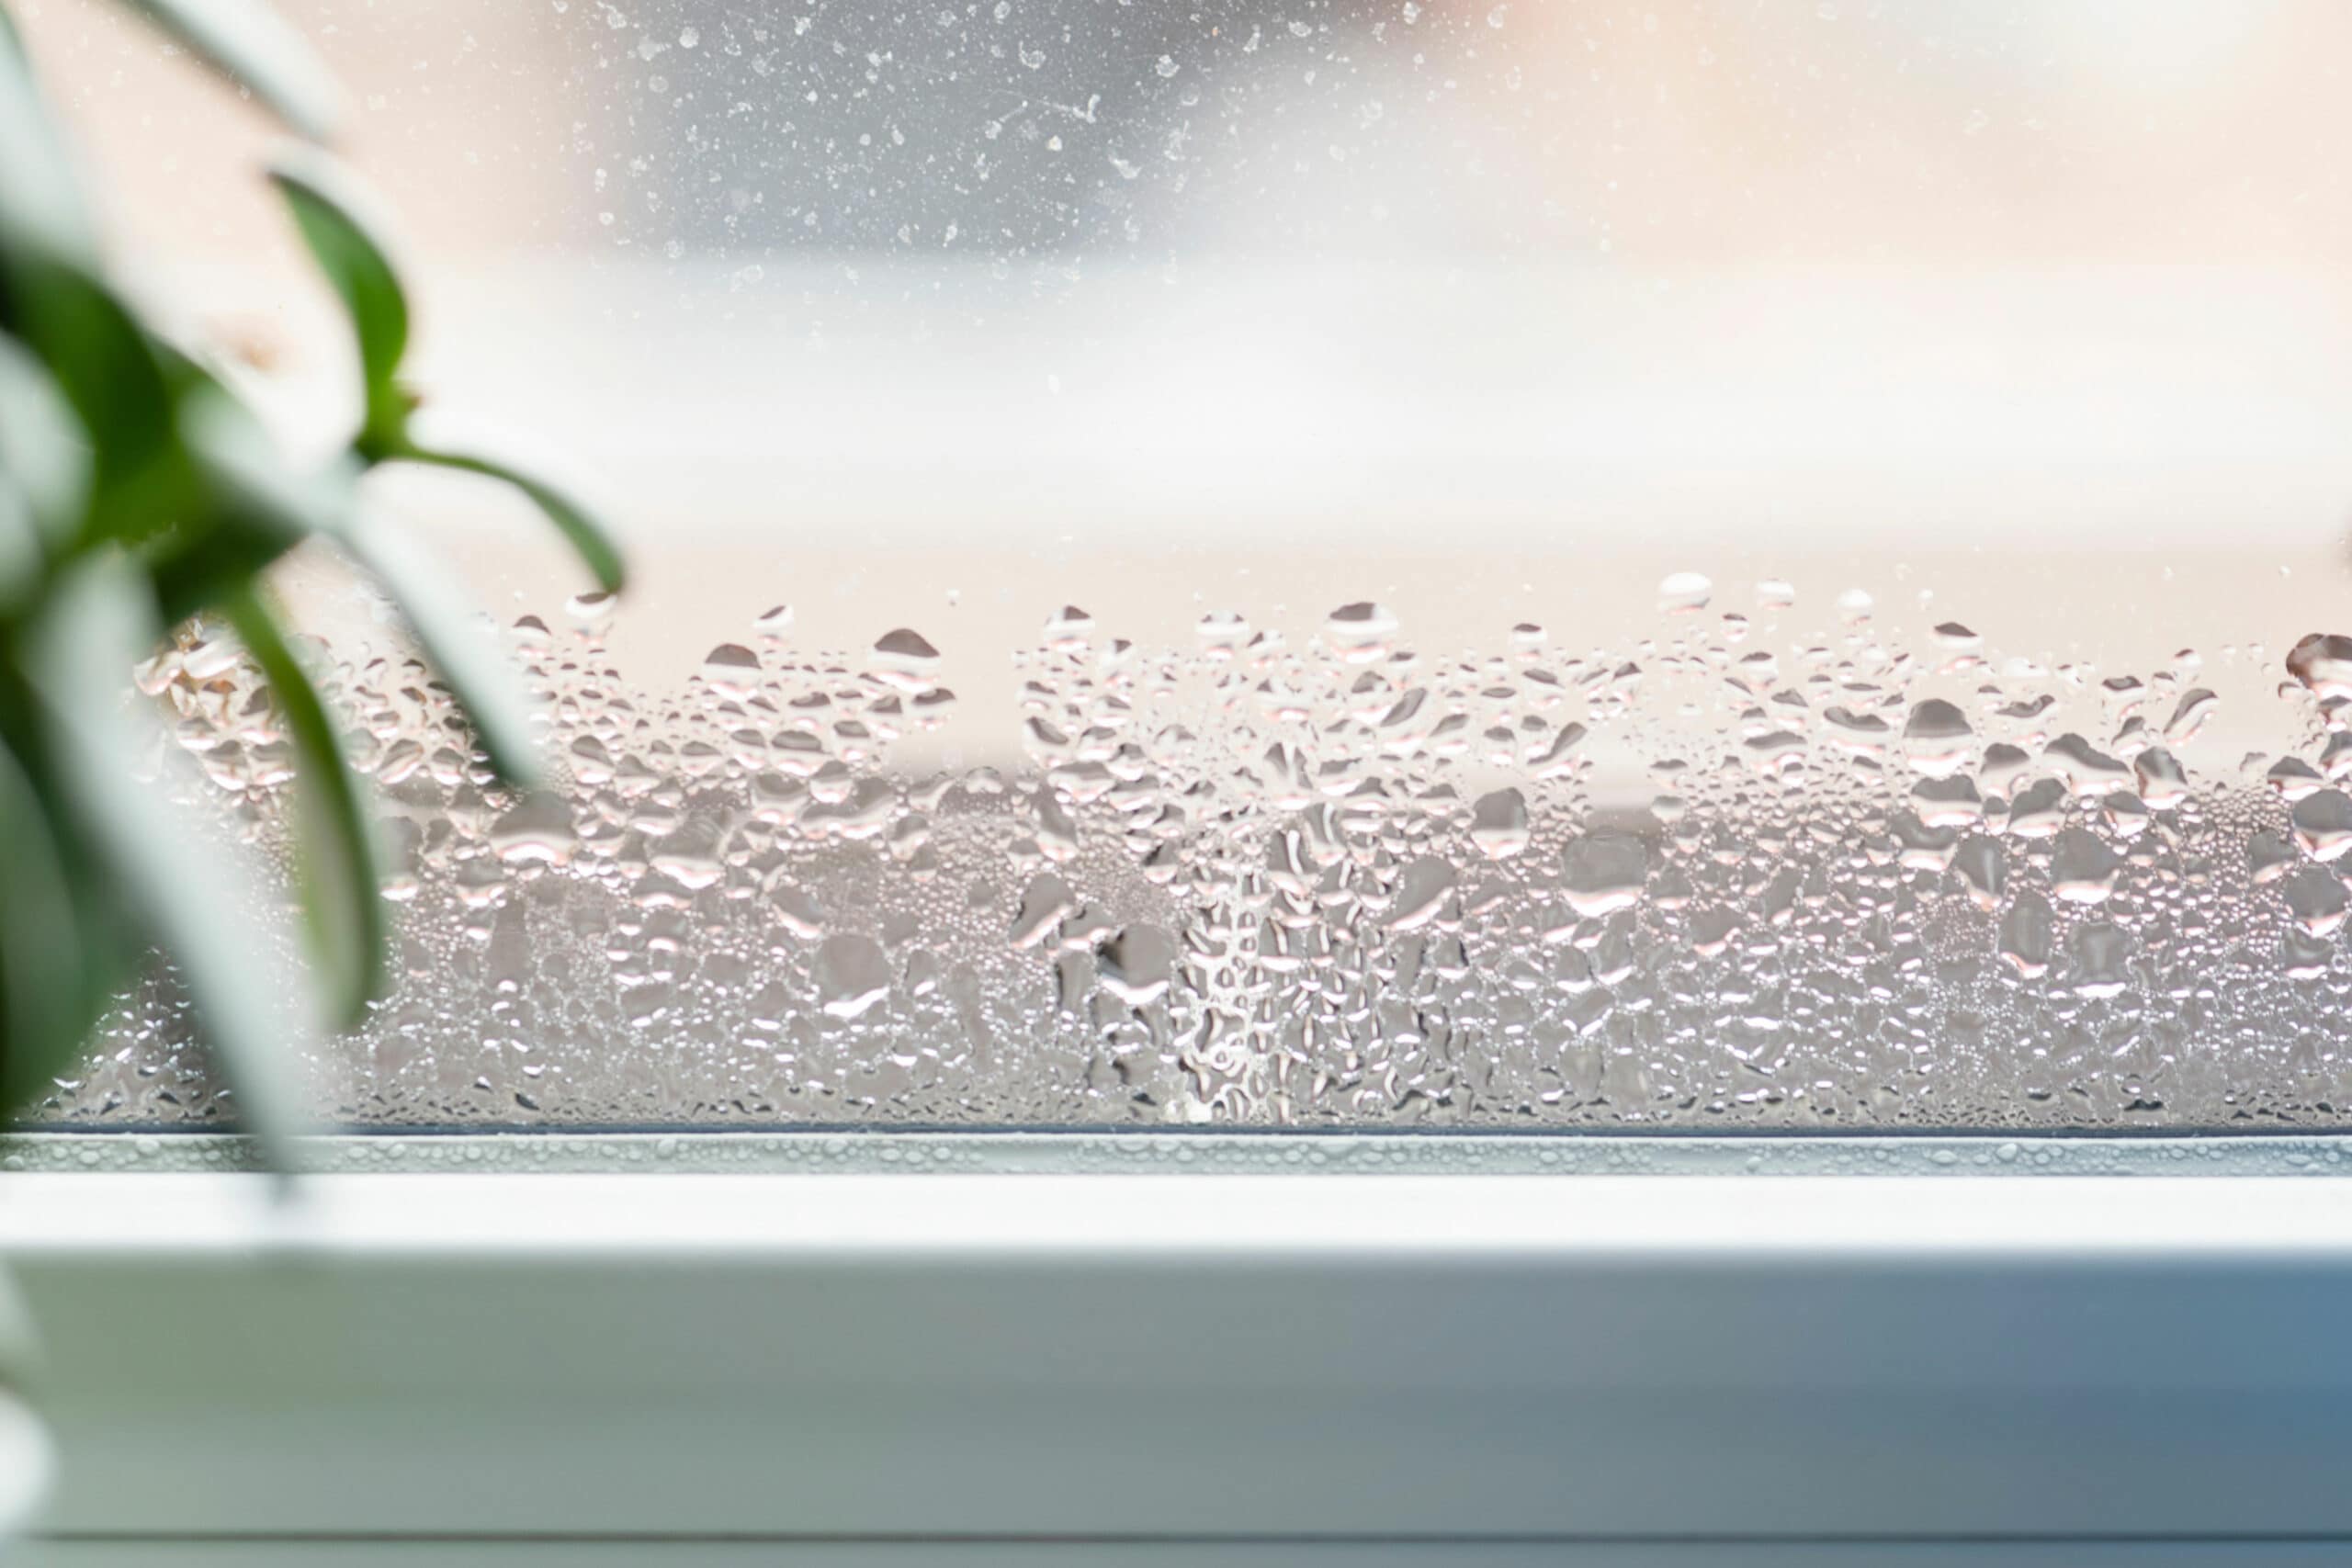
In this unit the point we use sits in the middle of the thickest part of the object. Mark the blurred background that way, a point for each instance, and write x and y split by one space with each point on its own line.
1164 309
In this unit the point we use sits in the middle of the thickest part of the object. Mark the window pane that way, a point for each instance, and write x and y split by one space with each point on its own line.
1498 565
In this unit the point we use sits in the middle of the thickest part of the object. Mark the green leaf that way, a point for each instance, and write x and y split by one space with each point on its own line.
461 645
255 506
336 837
46 1008
44 456
195 901
588 537
21 559
198 567
249 479
251 45
44 474
335 218
106 365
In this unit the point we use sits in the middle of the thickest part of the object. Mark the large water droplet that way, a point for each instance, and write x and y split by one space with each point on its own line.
1498 824
1602 873
1137 965
905 660
536 830
1682 592
2323 823
852 973
1361 632
2082 867
1937 737
2028 935
1421 889
2322 663
731 670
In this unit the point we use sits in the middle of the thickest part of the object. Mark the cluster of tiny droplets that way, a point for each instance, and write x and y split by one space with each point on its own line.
1341 883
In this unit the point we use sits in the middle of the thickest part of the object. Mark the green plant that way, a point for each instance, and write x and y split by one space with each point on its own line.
135 489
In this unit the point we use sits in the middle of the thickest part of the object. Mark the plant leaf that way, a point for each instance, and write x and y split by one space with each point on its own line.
257 505
460 646
335 844
199 566
337 222
105 366
44 474
46 1005
251 482
251 45
44 456
195 901
40 205
588 537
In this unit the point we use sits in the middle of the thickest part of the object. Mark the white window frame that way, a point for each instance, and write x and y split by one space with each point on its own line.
1316 1367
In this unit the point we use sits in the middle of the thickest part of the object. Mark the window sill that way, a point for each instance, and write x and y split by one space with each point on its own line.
1236 1369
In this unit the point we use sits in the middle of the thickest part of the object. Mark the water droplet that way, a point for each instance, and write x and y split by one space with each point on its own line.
2322 663
731 670
1983 869
1137 965
852 973
2082 867
1683 592
1498 824
2317 899
905 660
1421 889
2189 716
2323 824
1937 737
592 612
1361 632
1069 629
1044 903
1603 873
2028 935
536 830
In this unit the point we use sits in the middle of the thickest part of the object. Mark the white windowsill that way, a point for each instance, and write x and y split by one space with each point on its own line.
949 1368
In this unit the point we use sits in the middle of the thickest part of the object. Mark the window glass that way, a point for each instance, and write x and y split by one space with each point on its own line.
1617 566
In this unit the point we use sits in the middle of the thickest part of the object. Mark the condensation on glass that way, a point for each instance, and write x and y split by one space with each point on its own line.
1608 567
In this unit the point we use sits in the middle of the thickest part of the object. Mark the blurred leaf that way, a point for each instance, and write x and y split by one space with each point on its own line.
196 902
335 844
257 506
197 568
336 220
43 990
105 366
45 471
460 644
21 557
40 205
44 456
247 42
588 537
250 481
